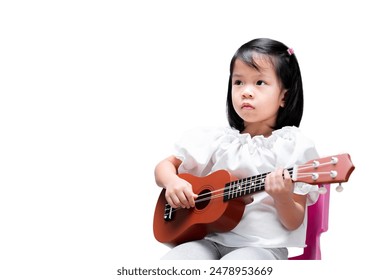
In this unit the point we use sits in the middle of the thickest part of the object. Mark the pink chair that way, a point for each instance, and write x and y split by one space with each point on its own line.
317 223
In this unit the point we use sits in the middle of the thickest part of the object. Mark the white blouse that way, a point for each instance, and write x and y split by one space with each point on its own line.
205 150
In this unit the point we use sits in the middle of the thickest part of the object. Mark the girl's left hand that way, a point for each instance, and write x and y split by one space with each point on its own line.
277 187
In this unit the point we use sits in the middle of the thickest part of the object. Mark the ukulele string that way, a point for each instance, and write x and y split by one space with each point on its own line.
290 170
252 184
240 182
220 192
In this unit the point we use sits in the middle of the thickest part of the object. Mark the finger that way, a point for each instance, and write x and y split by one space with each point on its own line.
190 197
172 203
279 173
278 181
176 201
286 174
168 199
183 200
269 180
173 200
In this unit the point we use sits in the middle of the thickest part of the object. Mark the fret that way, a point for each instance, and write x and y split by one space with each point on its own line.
239 188
248 185
244 187
227 192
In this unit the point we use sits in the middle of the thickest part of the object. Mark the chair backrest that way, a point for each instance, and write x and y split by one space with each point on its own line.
317 223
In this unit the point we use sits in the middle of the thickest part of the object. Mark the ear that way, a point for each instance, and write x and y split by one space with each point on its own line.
283 96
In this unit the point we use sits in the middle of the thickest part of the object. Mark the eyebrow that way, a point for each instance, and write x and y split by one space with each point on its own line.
260 74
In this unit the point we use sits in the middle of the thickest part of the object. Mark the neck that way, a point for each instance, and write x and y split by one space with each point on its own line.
249 185
255 130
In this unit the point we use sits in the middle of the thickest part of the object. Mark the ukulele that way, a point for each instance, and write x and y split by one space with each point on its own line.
222 198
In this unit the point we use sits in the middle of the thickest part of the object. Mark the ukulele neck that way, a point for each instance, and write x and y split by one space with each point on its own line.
248 185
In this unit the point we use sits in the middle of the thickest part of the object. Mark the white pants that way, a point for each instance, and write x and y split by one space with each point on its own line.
208 250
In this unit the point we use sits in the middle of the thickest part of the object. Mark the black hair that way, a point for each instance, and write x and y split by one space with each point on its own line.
287 70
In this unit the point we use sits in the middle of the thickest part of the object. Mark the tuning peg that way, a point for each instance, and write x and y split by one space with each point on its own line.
339 188
322 190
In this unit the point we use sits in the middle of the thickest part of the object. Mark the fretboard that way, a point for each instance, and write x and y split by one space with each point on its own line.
246 186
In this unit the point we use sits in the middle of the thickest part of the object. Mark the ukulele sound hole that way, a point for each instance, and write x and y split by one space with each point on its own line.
203 199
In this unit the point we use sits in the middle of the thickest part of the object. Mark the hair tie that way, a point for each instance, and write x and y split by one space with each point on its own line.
290 51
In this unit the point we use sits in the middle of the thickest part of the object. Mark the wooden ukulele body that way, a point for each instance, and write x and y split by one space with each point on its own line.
210 215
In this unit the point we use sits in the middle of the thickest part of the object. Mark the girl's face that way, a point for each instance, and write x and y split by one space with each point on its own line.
257 95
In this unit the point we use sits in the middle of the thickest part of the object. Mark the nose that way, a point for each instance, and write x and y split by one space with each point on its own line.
247 92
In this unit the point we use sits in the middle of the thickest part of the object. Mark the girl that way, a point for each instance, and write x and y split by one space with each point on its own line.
264 109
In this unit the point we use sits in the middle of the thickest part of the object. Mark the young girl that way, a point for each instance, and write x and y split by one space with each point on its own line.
264 108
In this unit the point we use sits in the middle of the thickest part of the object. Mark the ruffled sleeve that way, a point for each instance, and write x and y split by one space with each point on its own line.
196 148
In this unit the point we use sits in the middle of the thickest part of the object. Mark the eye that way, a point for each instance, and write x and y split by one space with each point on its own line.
260 82
237 82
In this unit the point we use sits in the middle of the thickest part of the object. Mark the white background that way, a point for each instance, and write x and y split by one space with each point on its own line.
94 93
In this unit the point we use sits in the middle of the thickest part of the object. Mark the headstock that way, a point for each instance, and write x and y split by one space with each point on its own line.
328 170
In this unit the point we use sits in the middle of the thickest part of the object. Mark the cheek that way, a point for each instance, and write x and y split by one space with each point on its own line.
235 101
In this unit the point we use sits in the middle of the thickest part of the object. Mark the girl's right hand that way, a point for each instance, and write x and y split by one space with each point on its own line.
179 194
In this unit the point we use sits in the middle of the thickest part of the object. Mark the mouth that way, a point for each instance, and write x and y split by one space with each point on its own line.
247 106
